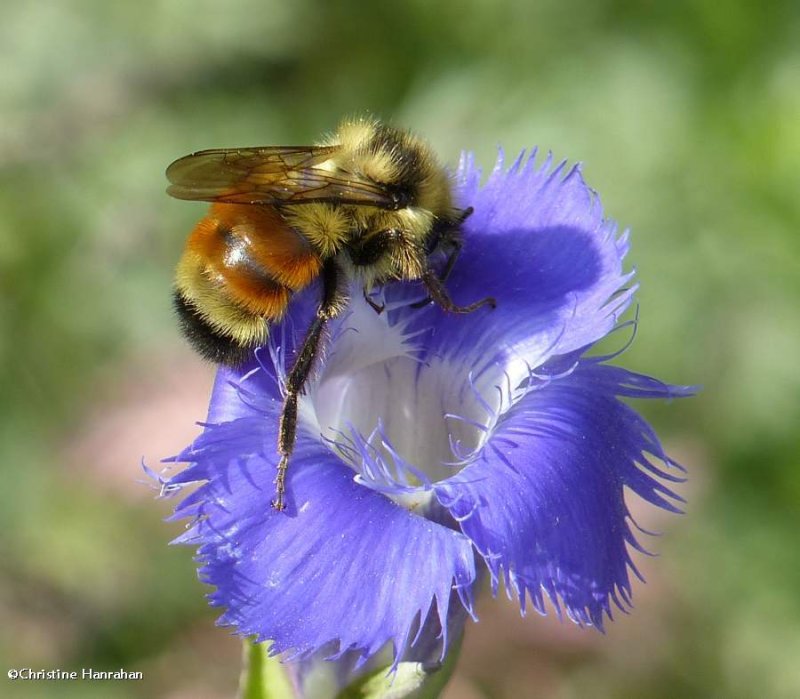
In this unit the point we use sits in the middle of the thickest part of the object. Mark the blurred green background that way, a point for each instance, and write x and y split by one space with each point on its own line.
687 117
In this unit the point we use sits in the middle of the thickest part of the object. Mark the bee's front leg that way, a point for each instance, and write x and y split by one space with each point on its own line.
437 291
377 307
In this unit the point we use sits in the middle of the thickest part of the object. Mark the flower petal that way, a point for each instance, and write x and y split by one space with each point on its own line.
538 243
543 501
342 564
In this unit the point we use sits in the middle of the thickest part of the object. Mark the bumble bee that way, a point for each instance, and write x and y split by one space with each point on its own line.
370 203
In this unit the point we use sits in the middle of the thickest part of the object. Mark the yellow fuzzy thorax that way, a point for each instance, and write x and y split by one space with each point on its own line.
393 158
383 163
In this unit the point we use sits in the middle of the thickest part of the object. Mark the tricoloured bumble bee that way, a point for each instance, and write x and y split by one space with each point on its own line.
370 203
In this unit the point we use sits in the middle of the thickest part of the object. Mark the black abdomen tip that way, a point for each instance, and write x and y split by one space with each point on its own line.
208 342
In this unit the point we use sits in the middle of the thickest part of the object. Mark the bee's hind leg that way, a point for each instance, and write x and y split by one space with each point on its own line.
331 305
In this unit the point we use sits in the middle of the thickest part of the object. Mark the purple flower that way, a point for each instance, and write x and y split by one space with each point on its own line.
434 446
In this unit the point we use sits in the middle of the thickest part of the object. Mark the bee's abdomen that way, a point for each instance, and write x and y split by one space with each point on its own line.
255 257
237 274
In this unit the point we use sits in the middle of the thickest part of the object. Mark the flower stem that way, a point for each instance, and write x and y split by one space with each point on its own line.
263 677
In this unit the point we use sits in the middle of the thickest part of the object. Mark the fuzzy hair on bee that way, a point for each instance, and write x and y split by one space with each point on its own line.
369 203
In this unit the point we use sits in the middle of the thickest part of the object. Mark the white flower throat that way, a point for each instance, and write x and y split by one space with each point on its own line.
400 423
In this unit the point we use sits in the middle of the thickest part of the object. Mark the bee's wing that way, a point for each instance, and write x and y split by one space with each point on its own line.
271 175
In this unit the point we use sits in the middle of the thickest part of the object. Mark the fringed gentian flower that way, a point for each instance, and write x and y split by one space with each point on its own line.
433 446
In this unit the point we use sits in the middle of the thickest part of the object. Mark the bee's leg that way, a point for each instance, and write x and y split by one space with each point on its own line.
331 305
438 292
377 307
451 260
448 237
447 232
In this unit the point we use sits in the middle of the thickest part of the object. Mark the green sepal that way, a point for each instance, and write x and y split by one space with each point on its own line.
409 681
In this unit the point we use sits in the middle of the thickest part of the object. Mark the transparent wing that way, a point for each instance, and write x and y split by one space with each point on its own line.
272 175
